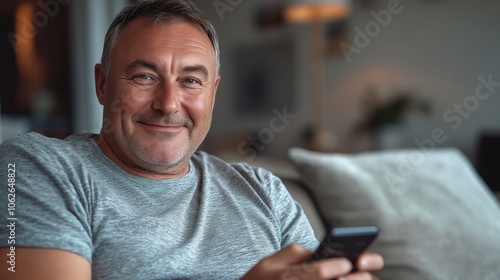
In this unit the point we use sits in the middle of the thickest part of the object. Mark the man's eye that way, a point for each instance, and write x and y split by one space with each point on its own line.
191 81
144 79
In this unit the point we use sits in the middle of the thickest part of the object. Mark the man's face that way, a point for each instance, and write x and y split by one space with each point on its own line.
158 97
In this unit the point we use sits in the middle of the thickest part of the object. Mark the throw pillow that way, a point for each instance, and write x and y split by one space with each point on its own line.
437 218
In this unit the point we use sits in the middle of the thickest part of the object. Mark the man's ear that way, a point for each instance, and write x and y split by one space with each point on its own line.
100 82
217 80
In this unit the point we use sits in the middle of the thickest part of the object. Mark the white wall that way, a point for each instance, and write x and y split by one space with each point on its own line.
438 48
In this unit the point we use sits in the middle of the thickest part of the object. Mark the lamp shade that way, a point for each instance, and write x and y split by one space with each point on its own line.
316 10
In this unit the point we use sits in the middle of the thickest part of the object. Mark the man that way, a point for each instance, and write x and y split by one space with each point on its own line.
137 201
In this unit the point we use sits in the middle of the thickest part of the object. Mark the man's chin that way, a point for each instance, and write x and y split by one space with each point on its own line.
163 157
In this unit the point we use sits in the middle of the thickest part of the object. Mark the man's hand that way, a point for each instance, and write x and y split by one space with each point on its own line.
287 264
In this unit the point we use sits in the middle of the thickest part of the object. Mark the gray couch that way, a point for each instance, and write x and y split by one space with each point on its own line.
438 220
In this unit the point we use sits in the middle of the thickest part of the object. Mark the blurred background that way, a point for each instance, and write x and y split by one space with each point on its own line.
377 75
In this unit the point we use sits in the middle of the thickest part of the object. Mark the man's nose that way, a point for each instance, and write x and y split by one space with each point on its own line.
166 98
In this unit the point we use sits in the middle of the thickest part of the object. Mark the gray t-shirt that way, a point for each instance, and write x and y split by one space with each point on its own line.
216 222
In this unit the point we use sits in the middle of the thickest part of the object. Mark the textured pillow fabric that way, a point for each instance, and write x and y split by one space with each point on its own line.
437 218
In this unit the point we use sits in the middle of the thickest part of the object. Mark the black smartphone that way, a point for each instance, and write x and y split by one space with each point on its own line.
346 242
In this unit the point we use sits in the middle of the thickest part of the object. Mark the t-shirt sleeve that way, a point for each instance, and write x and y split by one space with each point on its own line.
293 223
49 205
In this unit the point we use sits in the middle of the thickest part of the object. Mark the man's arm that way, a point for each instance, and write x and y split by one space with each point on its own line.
44 264
51 210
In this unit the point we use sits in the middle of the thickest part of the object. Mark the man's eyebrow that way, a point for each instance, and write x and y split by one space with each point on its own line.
196 68
150 65
142 64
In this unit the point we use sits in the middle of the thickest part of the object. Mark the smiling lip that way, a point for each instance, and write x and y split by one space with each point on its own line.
163 127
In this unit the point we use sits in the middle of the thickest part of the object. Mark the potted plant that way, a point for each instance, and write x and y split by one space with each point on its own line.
383 117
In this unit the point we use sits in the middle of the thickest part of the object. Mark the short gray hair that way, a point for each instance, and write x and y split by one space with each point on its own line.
159 11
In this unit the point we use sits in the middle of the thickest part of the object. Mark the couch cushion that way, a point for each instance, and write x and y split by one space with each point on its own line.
437 218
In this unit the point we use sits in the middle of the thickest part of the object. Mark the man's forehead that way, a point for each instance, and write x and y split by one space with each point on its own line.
177 35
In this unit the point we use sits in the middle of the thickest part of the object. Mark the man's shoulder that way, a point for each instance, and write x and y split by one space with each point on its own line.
36 143
30 140
215 165
212 161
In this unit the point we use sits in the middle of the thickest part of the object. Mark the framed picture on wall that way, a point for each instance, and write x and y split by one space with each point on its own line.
264 77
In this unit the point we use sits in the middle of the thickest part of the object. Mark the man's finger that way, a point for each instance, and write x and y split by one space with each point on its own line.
359 276
370 262
323 269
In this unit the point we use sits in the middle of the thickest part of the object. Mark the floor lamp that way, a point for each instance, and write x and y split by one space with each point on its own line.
316 13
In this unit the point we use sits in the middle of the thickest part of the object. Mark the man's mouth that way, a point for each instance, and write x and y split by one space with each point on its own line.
162 127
